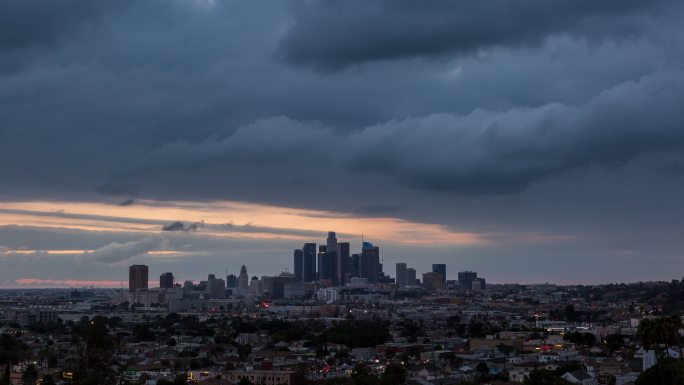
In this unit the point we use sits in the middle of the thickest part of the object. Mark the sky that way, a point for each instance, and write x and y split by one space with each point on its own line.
530 141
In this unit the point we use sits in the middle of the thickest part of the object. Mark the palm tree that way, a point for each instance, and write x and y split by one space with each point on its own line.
673 324
650 335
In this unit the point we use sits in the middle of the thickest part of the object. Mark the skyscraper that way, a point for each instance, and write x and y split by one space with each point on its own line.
166 281
327 266
402 274
369 264
309 251
330 259
342 263
411 276
355 268
321 255
231 281
441 269
331 242
216 287
299 265
465 279
243 281
137 277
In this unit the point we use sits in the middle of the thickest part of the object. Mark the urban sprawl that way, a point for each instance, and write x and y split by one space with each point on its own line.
338 318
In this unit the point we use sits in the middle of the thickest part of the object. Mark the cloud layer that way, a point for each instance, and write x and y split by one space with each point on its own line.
447 124
120 253
335 34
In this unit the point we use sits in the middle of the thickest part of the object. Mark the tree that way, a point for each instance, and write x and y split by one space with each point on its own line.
48 380
666 371
29 376
659 334
614 341
361 375
395 374
244 351
483 369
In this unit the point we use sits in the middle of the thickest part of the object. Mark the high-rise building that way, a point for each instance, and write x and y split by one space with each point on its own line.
354 263
309 251
402 274
322 249
441 269
433 281
369 264
331 242
466 278
216 287
166 281
137 277
411 276
327 266
342 263
330 264
243 281
231 281
274 287
299 265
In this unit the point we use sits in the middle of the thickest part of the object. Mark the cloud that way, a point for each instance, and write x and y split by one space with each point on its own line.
51 21
180 226
331 35
117 253
483 152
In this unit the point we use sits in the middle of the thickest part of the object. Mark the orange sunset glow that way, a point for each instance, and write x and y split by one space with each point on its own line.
149 216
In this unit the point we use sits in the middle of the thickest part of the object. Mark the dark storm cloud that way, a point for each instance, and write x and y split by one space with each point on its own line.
334 34
45 22
481 152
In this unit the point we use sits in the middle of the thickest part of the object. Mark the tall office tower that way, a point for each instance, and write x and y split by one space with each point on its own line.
166 281
321 254
216 287
231 281
243 280
342 263
331 242
299 265
370 262
433 281
137 277
330 259
465 279
402 274
355 261
309 251
411 276
441 269
327 266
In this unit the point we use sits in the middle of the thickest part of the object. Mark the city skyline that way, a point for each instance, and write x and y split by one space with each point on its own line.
193 136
